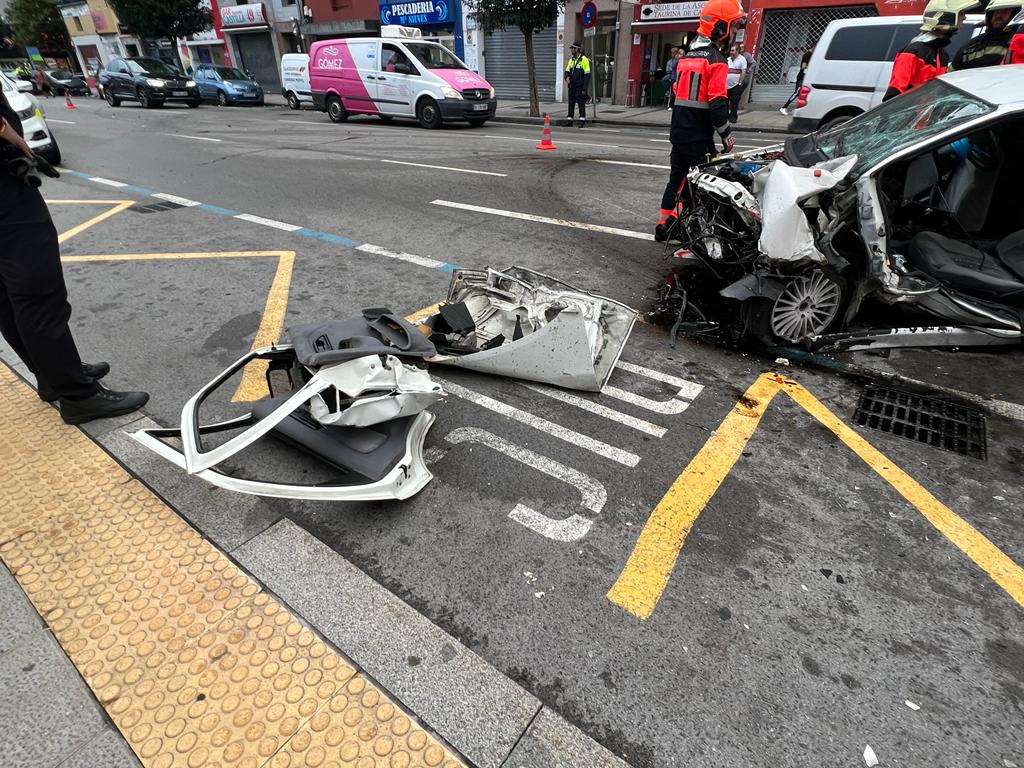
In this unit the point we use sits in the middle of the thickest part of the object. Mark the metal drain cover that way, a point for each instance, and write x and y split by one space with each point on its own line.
937 423
167 205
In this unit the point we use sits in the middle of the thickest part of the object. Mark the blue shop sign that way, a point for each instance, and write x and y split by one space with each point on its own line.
415 13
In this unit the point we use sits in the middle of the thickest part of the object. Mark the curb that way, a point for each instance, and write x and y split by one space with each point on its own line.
636 123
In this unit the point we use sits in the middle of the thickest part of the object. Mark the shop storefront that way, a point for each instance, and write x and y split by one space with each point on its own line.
656 28
251 40
599 42
778 32
438 20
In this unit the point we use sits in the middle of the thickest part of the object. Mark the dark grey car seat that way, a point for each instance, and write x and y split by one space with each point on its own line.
998 276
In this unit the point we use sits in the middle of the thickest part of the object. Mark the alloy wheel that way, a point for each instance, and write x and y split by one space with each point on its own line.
807 307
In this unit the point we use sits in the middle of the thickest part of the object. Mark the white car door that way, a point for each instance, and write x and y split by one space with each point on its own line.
396 81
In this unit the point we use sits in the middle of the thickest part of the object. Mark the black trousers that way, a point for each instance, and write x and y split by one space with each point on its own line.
34 308
735 94
796 89
683 158
577 96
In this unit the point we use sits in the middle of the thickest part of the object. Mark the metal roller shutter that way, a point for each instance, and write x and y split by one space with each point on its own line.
785 35
505 63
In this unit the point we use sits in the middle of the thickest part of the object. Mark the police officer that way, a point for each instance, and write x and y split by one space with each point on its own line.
34 309
701 105
990 47
924 58
577 78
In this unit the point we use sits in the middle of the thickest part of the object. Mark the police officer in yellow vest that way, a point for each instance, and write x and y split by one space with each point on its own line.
577 78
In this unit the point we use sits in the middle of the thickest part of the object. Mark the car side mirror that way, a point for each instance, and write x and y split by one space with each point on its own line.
403 69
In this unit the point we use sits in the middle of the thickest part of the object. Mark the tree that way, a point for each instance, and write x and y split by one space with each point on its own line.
38 23
529 16
163 18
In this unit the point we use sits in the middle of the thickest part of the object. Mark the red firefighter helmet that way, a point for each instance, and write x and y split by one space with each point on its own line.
717 16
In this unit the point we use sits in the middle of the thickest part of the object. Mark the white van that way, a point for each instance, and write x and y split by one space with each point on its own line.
851 65
295 79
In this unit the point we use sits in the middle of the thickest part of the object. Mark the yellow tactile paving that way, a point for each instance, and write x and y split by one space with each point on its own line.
195 664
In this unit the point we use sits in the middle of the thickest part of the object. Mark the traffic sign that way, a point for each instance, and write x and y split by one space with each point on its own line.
588 16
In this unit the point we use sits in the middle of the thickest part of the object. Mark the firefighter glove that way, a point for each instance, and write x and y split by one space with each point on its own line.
728 142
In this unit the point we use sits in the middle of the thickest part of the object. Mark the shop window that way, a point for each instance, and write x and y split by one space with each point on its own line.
78 24
868 43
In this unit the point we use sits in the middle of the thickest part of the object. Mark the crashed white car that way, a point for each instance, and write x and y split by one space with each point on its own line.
38 135
914 205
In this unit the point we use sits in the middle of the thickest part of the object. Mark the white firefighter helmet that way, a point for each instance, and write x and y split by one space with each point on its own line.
1017 22
942 17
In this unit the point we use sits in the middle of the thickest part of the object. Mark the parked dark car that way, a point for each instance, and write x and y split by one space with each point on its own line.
63 82
150 82
228 85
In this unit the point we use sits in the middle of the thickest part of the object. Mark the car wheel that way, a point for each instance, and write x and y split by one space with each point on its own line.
293 101
809 305
428 113
476 122
386 118
145 100
193 104
336 110
112 100
222 98
52 153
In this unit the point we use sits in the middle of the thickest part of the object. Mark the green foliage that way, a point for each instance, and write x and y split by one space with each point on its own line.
162 18
38 23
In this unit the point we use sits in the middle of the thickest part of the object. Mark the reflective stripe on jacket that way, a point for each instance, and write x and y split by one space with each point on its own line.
916 64
578 72
702 102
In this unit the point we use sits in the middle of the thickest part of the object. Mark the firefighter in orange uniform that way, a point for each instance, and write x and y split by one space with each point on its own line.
701 104
924 58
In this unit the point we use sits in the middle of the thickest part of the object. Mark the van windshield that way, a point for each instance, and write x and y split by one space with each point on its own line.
434 56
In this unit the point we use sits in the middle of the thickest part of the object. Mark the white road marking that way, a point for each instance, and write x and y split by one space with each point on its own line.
175 199
687 391
593 493
423 261
639 165
548 427
186 136
62 122
662 141
108 182
267 222
545 219
597 409
444 168
556 139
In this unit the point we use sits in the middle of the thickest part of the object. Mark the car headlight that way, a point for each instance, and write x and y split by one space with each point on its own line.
26 114
152 83
491 91
450 93
190 83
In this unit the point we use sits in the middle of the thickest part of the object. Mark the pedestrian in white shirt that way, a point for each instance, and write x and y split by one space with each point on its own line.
734 80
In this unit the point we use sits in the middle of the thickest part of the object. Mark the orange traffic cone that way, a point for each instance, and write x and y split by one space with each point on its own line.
545 141
68 104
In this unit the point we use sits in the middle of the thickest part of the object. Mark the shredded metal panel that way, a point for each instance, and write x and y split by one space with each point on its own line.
938 423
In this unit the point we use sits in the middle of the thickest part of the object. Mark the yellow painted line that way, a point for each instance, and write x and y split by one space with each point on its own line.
195 664
650 565
253 383
986 555
653 559
117 208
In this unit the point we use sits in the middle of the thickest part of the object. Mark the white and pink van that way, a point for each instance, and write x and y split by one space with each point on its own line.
398 75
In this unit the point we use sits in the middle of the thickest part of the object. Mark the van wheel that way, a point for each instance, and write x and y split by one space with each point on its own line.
293 101
335 110
834 122
429 114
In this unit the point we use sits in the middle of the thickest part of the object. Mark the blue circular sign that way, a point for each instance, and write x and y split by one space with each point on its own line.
588 16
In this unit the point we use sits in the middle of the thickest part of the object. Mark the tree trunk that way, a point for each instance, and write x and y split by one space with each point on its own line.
532 73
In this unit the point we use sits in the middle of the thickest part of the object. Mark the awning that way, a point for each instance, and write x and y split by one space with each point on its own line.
258 28
215 41
651 27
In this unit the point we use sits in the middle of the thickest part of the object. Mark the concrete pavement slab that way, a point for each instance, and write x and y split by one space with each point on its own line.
46 710
18 619
551 742
107 750
468 702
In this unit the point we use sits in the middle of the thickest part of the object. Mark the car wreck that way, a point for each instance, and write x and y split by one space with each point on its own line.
897 228
354 394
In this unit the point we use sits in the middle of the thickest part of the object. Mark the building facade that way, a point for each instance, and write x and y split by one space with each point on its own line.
96 33
257 35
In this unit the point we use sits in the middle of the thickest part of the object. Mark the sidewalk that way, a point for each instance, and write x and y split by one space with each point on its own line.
764 120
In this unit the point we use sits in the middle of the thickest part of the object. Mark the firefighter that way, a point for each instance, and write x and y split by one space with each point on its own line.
577 78
924 58
990 47
701 104
34 309
1015 50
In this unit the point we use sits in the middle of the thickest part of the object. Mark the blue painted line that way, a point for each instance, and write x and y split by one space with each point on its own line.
138 190
217 209
449 267
327 236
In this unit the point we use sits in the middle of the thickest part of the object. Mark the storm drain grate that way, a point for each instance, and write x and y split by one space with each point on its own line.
937 423
167 205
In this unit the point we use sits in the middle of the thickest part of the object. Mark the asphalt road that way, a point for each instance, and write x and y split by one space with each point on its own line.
811 599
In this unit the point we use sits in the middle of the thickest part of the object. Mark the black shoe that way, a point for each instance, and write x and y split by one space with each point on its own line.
662 231
94 371
103 405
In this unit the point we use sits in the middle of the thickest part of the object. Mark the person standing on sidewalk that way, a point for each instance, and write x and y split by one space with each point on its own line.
42 83
734 80
701 107
34 308
670 74
804 61
577 78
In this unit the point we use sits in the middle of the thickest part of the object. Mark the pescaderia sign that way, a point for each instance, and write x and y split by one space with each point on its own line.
415 13
249 15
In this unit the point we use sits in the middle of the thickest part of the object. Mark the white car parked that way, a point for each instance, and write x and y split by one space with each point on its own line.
33 120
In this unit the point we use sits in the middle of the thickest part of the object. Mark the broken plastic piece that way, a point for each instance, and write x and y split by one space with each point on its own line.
912 705
869 756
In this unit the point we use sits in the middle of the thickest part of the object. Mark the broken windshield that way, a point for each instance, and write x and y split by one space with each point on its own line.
906 120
